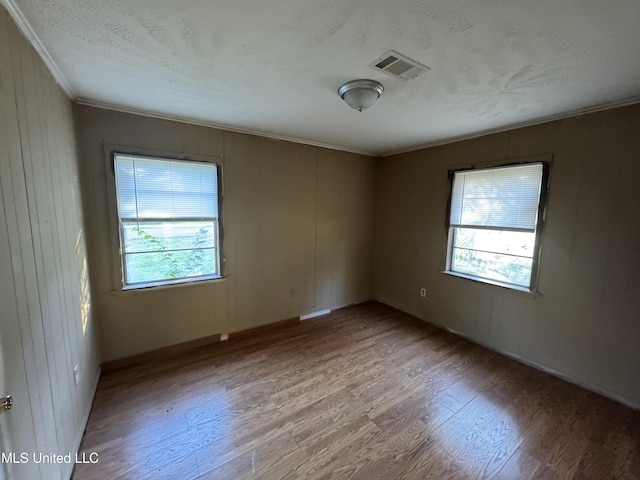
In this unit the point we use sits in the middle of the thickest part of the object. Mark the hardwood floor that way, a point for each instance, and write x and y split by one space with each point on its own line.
366 392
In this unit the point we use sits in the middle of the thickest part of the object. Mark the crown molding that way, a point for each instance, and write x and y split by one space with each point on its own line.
27 30
516 126
227 128
446 141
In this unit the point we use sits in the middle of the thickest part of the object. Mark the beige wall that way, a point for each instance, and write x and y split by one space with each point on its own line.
298 224
45 302
585 324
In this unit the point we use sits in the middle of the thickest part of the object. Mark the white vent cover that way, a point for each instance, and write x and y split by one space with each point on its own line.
398 65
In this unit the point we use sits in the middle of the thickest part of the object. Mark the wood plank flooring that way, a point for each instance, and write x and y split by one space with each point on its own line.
364 393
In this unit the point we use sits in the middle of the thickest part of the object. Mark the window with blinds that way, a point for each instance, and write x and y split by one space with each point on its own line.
494 217
168 220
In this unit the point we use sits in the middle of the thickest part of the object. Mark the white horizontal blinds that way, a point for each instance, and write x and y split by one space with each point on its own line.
504 197
165 189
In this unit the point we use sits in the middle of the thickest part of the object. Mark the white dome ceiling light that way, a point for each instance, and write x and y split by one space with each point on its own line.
360 94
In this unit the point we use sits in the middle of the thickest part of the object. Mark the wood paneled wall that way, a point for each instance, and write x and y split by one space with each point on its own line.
45 285
298 233
585 322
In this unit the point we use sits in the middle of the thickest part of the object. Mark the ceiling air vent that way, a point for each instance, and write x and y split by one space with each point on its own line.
398 65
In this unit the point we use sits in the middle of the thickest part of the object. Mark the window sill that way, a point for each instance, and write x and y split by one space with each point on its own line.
154 288
496 283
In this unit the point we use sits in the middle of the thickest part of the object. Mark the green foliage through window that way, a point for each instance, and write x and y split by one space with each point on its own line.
169 250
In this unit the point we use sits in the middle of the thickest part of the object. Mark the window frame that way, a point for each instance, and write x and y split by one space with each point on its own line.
545 161
118 256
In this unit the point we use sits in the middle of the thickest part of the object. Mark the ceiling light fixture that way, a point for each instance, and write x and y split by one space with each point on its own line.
360 94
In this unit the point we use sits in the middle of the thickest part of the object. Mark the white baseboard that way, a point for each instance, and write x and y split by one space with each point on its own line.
317 313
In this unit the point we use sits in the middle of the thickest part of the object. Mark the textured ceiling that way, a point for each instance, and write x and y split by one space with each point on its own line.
274 67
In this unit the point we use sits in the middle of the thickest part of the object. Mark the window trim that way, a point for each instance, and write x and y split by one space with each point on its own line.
545 161
117 258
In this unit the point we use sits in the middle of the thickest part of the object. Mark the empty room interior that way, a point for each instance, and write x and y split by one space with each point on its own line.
305 240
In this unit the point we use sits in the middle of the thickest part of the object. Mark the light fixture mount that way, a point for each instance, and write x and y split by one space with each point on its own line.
361 94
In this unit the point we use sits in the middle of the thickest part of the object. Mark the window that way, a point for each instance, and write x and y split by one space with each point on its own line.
494 224
168 220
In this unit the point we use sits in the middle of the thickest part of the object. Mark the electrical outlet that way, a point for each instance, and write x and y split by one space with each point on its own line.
423 292
76 374
224 336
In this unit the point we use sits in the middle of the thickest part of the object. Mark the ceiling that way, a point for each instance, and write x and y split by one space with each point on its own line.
274 68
